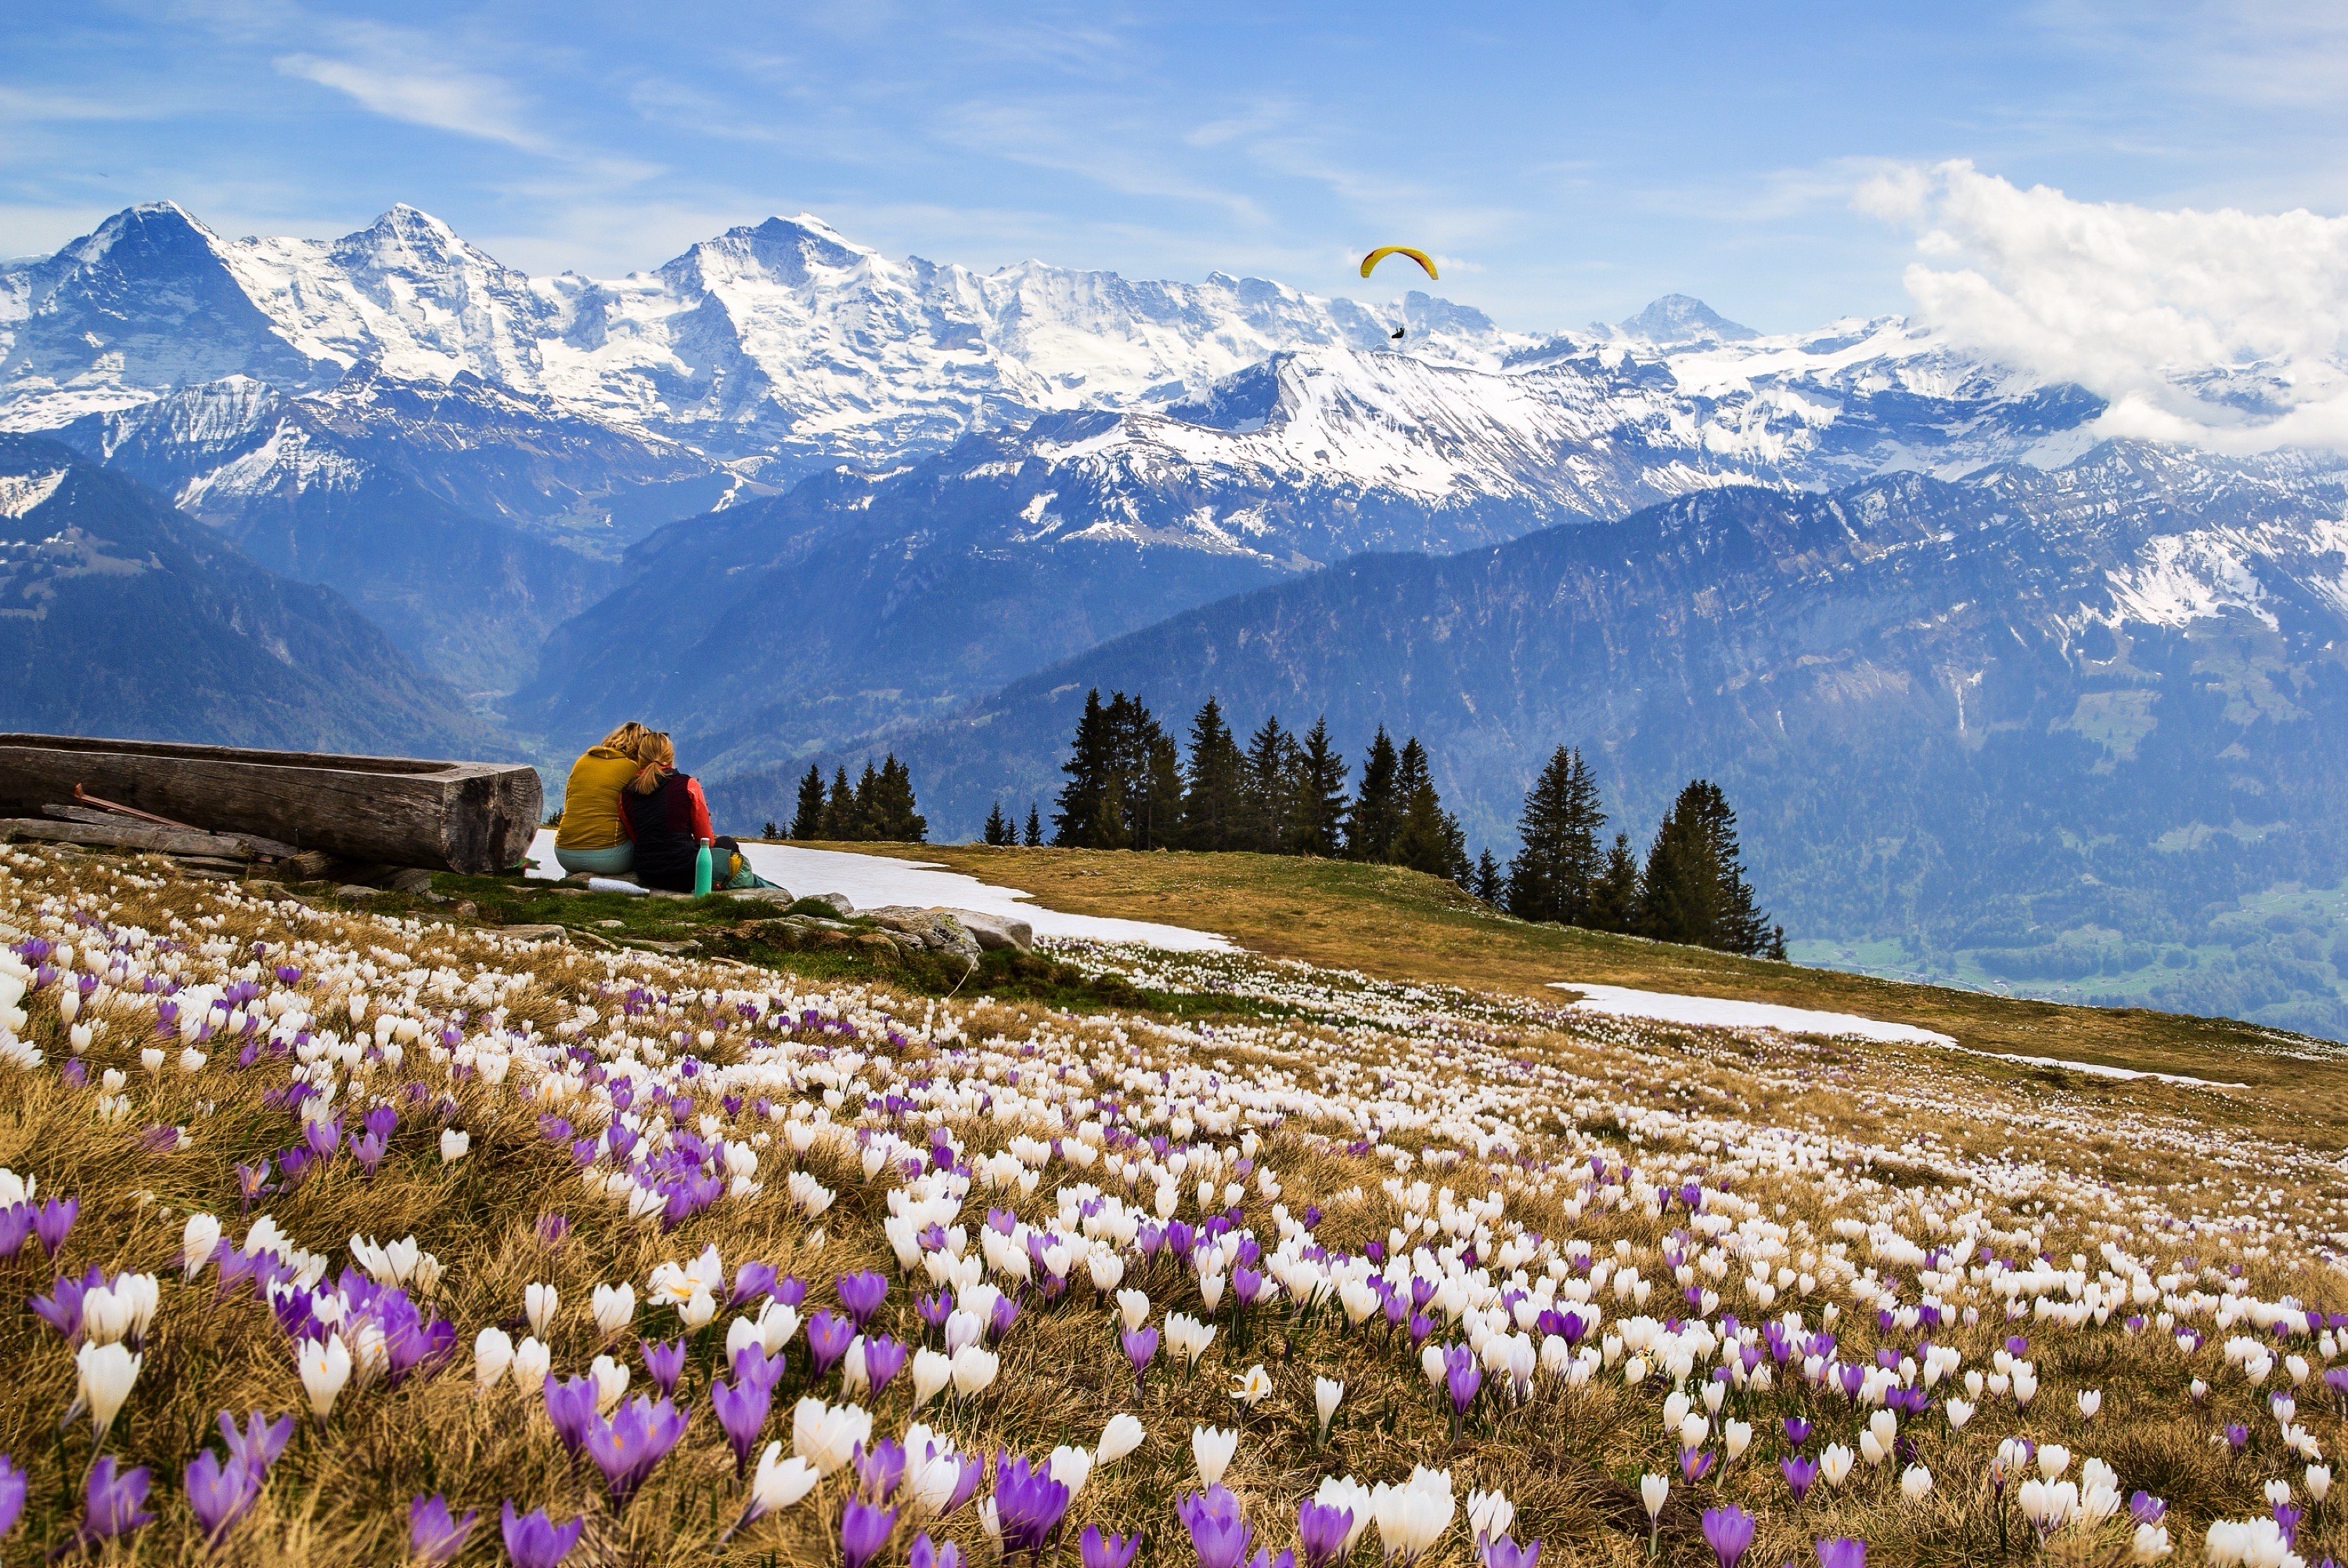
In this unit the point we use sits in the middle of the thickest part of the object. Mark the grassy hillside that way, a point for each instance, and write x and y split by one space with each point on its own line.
1400 924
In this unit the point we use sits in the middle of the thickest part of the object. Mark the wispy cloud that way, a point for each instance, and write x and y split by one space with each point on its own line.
404 75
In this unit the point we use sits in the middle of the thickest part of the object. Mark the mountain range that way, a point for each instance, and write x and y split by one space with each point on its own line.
795 499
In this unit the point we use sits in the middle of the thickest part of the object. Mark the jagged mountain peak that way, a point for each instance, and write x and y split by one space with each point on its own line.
1676 319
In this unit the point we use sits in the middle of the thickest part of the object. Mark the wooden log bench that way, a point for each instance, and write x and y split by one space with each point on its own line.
475 817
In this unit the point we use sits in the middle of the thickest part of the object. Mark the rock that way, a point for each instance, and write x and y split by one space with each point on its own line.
670 947
933 930
878 945
838 901
762 896
409 879
664 893
539 933
357 890
465 909
609 925
996 932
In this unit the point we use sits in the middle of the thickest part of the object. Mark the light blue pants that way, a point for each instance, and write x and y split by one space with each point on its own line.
611 862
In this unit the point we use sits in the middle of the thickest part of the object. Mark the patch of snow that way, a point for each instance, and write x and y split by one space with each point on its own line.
20 493
1717 1012
874 881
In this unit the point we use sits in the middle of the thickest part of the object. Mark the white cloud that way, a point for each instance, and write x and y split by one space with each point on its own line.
396 73
2222 328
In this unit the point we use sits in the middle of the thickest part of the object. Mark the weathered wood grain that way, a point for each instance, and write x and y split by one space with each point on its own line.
393 811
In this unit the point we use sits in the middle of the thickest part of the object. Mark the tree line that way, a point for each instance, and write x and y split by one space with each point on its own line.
878 807
1129 787
1692 889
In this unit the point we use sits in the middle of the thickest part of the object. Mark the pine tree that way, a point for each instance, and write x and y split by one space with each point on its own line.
1489 885
999 830
1377 814
864 808
1214 795
840 809
1077 816
1427 837
893 816
1033 836
1158 800
1558 861
1694 889
1614 896
807 820
1270 791
1317 825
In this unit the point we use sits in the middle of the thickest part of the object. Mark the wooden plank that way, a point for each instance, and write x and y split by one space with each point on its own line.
129 835
393 811
253 844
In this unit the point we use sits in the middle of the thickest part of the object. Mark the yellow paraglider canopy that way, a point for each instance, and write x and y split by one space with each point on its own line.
1371 261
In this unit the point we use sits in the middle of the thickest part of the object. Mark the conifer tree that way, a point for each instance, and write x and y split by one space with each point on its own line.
1271 788
1377 814
998 831
1694 889
1158 799
1615 898
892 813
1558 860
864 811
1318 826
1077 816
840 809
1214 796
1488 886
1033 836
1426 838
807 821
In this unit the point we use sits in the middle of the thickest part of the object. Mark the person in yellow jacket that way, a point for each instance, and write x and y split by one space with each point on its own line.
593 838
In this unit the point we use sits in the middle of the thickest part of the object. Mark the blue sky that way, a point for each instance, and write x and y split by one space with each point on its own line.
1568 161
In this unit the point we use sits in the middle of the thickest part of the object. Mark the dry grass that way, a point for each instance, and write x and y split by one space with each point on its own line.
1401 925
1510 1090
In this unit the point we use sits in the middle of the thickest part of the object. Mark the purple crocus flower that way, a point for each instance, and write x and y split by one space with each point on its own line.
934 1309
2146 1509
927 1553
1799 1473
753 1279
861 1292
1797 1430
877 1469
663 1363
1028 1503
742 1407
1464 1377
864 1531
219 1494
1695 1464
1842 1552
570 1406
11 1495
1098 1551
1500 1552
534 1540
828 1335
1321 1529
626 1448
884 1357
433 1539
999 1321
114 1501
1140 1346
1218 1534
2237 1436
1729 1532
368 1150
16 1228
51 1223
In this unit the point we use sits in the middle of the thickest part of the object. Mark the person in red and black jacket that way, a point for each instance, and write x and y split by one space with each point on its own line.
667 819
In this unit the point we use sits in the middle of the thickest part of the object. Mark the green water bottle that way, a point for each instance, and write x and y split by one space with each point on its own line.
701 870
